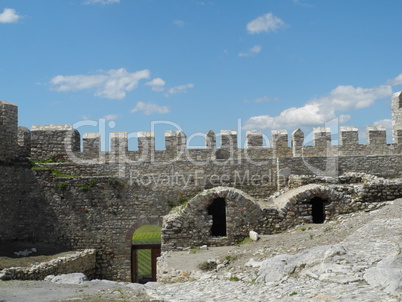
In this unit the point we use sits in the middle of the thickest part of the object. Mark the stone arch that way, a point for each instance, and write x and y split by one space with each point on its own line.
310 203
193 225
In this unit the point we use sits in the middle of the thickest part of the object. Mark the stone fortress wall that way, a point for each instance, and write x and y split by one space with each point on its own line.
83 197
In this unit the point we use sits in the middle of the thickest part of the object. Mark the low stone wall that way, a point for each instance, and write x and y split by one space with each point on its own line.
78 262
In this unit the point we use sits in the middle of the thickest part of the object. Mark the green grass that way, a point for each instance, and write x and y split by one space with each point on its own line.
57 173
147 234
39 167
245 240
144 263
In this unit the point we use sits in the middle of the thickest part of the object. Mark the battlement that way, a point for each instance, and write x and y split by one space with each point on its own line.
61 140
45 142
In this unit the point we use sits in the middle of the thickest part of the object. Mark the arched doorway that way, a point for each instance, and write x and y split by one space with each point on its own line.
145 249
217 209
318 209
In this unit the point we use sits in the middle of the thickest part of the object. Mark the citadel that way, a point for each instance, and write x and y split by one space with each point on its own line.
58 189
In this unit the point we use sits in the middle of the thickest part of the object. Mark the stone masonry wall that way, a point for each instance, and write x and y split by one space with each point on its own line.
76 262
8 131
53 142
191 224
24 211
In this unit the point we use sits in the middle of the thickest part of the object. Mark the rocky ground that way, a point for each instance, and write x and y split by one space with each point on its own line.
356 257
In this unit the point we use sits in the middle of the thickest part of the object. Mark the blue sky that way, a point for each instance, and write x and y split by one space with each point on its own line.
201 65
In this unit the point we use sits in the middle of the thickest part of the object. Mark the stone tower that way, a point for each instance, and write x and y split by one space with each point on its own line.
8 131
396 109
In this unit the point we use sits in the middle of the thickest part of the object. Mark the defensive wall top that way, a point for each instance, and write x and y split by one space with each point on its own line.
48 140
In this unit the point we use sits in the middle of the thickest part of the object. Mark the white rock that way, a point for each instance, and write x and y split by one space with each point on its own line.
387 274
253 263
254 235
74 278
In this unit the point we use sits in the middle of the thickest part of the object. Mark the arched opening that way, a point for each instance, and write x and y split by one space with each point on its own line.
217 209
145 249
318 209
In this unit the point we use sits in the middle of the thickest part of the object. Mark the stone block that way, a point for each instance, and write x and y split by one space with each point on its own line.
228 139
376 135
254 139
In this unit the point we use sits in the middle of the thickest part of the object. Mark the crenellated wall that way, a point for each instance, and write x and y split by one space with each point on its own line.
85 197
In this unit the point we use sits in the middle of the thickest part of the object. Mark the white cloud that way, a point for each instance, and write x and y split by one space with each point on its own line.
101 1
395 81
387 123
265 23
156 84
9 15
179 89
253 51
112 84
318 111
149 108
179 23
344 98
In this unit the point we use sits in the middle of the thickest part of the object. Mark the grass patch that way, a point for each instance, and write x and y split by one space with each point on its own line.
91 183
62 186
147 234
245 240
57 173
39 167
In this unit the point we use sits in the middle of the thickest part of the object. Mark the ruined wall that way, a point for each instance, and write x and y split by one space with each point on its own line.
191 224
